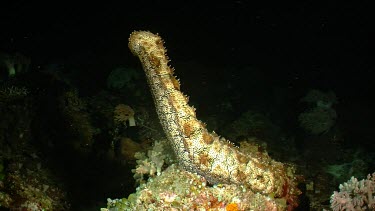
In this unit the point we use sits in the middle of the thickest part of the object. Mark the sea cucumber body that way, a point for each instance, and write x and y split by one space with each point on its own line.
198 150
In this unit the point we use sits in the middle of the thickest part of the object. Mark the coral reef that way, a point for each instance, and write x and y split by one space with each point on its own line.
199 151
317 120
74 110
123 77
170 187
127 149
31 189
178 189
25 181
252 124
320 117
17 112
320 99
152 163
355 195
14 63
342 171
124 114
13 92
174 188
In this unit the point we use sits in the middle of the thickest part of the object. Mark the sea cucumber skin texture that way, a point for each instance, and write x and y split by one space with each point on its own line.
198 150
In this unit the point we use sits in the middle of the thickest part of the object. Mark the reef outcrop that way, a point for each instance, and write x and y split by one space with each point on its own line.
197 149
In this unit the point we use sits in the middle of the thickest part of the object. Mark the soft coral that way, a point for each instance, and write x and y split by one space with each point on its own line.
355 195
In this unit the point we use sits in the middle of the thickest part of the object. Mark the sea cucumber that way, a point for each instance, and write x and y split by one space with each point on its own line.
198 150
